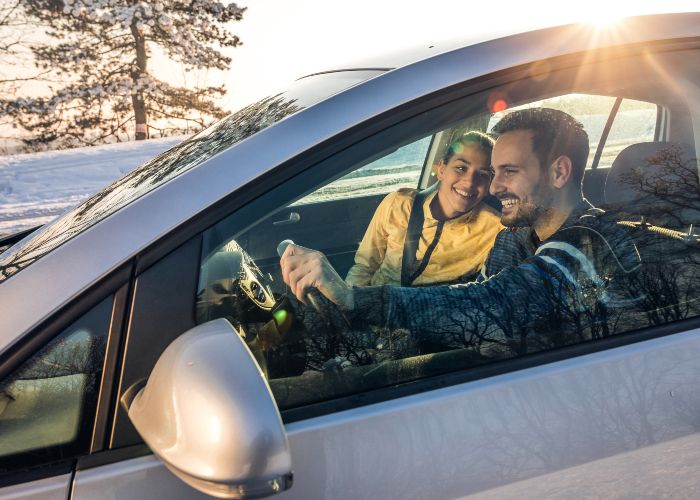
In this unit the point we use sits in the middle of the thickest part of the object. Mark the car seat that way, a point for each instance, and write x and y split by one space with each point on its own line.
653 188
656 181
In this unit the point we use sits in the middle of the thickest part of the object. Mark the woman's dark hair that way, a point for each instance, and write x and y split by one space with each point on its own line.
472 138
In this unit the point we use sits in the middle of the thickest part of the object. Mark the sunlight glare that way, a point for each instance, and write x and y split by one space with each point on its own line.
605 18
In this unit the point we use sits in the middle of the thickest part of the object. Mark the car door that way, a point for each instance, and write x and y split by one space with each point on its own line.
604 417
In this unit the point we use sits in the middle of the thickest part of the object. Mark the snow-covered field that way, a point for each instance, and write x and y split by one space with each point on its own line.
35 188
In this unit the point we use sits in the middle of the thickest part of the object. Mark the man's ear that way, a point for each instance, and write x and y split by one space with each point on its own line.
560 171
439 169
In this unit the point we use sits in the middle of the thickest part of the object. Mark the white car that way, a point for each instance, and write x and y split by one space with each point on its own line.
134 360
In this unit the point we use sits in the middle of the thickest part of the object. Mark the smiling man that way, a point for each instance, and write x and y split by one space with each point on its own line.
567 276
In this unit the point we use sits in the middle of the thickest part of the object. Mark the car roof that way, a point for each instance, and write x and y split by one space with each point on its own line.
64 273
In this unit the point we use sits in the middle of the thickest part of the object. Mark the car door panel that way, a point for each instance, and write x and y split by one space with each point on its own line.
50 488
597 419
138 478
578 415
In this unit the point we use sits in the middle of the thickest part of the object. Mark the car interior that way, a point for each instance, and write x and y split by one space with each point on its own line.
648 174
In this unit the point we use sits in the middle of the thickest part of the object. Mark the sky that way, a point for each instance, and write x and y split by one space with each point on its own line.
285 39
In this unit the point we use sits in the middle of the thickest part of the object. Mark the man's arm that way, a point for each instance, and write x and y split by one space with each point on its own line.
499 316
494 317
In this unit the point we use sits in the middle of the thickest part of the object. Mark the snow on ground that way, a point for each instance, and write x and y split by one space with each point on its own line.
35 188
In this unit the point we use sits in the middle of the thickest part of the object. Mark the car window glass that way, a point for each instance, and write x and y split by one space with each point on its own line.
634 121
47 405
400 168
633 265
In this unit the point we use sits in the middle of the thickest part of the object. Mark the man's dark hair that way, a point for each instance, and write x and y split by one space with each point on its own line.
555 133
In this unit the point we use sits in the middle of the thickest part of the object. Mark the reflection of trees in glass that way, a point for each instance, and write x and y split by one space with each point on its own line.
161 169
50 399
544 313
659 182
43 401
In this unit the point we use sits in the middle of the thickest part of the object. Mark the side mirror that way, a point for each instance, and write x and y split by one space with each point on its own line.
208 414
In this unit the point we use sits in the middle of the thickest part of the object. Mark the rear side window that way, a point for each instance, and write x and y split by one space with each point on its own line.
47 406
612 123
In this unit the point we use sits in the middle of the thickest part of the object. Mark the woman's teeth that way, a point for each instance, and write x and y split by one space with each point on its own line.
463 193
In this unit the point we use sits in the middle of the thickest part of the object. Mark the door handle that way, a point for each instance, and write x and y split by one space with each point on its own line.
293 218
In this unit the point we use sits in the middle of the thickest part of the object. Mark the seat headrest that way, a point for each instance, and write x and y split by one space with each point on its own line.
657 180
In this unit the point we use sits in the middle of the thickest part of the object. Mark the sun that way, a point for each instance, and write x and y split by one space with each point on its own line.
606 21
605 18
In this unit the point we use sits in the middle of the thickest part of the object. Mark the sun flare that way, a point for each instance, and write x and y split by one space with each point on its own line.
606 19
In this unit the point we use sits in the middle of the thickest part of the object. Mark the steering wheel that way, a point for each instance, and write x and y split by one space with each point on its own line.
233 287
231 272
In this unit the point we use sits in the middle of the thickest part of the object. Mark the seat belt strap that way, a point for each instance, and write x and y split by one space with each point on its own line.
413 232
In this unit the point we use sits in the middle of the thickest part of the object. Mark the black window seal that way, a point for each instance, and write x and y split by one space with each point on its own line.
115 455
37 473
112 366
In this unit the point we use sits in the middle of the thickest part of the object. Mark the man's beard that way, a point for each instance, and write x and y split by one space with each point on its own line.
531 209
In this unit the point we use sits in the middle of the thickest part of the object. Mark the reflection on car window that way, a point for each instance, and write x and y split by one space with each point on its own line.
152 174
46 406
629 264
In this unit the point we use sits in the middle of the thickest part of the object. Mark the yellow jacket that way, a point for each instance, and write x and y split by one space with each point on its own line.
463 247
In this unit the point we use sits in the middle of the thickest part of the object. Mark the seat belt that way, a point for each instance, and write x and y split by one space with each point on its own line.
413 232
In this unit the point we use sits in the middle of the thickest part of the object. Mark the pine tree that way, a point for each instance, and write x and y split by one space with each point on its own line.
102 49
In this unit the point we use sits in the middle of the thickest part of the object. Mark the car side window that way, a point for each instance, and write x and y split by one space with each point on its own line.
398 169
316 352
47 405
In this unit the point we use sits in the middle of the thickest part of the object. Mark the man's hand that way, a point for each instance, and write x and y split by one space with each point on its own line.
304 269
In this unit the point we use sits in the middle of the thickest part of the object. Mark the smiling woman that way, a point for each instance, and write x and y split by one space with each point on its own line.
442 234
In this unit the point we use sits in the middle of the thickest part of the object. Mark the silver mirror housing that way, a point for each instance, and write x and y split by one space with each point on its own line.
208 414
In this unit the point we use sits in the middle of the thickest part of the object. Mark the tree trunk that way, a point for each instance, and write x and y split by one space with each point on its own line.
139 70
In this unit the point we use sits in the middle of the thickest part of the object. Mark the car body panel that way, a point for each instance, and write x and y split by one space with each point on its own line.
143 477
50 488
154 215
576 423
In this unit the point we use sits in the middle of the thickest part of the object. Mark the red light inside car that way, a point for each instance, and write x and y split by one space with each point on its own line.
498 105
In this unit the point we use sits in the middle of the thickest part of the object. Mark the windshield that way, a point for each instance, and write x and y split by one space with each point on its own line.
188 154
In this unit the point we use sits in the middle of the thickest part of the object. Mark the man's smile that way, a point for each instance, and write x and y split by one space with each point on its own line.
509 202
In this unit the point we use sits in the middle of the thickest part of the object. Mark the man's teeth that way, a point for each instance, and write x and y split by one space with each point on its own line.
509 202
